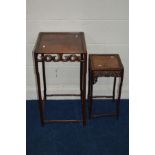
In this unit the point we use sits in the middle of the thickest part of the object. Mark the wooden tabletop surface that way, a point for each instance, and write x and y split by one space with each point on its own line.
106 62
60 43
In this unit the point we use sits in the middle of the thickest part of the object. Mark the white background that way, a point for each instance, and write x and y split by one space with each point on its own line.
105 24
13 77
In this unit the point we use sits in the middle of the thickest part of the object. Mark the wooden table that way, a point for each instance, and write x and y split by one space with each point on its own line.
64 47
105 65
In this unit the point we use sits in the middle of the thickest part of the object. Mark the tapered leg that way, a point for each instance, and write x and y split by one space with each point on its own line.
44 78
114 88
84 70
119 96
39 91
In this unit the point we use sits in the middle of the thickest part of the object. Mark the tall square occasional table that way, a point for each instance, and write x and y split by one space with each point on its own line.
60 47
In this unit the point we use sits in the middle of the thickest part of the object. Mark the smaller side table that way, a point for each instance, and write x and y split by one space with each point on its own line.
105 65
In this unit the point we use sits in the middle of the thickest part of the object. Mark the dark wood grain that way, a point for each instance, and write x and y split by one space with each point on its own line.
61 43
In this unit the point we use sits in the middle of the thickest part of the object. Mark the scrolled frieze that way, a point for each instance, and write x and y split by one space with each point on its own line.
59 57
97 74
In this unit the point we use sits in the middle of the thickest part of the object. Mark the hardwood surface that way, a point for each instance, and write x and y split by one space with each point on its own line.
60 43
106 62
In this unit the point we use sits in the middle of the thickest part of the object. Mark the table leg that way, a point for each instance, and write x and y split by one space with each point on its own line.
39 90
90 94
81 74
114 86
90 90
84 70
44 78
119 96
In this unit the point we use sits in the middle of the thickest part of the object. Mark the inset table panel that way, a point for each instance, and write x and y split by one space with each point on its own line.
60 42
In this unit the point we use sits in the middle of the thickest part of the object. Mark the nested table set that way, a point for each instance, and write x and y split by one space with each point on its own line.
71 47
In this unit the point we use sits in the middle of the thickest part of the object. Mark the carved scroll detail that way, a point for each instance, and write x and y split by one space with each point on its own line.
59 57
97 74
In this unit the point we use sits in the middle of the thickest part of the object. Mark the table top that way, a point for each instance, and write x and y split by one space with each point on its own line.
105 62
60 43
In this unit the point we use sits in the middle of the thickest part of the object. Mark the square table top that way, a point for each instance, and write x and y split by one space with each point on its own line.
105 62
60 43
